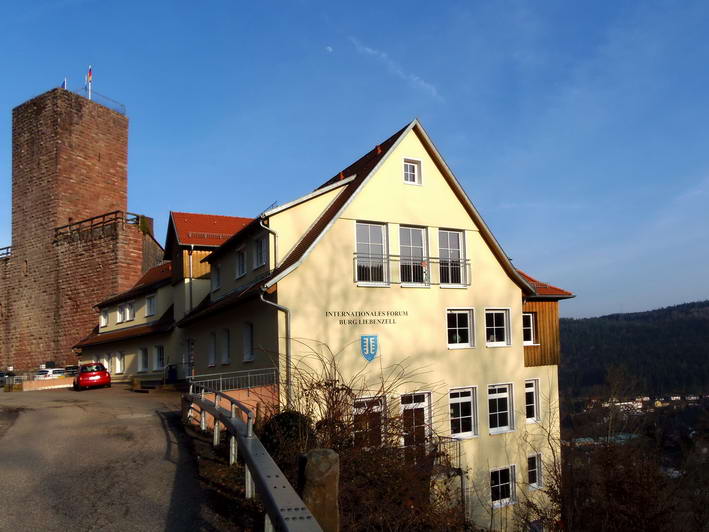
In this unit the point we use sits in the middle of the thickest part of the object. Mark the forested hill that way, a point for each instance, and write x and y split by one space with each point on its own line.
666 349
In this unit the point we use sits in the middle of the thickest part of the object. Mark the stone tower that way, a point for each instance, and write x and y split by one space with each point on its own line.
73 243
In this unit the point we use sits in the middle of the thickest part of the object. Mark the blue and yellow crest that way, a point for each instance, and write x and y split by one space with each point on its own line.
369 346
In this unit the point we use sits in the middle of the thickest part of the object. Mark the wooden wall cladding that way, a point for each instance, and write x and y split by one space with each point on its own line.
200 270
546 334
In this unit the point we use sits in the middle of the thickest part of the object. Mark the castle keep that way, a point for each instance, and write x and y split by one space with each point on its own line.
73 241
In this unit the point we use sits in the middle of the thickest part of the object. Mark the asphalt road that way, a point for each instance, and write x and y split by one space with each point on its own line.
105 459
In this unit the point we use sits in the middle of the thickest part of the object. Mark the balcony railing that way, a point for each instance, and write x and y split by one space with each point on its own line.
384 270
6 252
96 222
236 380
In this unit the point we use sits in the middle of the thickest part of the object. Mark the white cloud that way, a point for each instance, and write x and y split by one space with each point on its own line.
329 49
395 69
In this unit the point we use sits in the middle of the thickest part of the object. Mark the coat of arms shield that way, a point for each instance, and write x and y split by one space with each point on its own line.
369 346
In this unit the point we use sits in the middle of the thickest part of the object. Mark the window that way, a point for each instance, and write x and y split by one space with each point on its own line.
450 245
499 400
415 410
119 363
372 263
130 311
412 171
212 350
150 305
143 359
121 314
463 412
248 342
502 486
259 252
534 470
216 277
240 263
497 327
159 357
106 361
528 323
461 332
226 347
367 418
103 320
414 263
531 400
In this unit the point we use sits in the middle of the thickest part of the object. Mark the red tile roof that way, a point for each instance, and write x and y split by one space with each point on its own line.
155 277
206 229
545 289
165 324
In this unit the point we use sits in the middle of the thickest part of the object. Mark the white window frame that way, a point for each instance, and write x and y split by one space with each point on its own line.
531 328
470 311
378 408
120 363
513 486
539 480
226 347
247 342
426 405
151 305
425 260
463 270
260 259
473 400
509 394
157 349
384 257
240 263
417 165
533 385
143 359
103 318
130 311
215 277
212 350
506 313
121 313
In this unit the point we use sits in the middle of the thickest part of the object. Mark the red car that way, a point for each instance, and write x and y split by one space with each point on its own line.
92 375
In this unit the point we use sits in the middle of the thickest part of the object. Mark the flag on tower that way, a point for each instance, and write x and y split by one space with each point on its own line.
90 75
63 85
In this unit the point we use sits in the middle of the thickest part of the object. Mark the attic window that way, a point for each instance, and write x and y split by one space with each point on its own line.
412 171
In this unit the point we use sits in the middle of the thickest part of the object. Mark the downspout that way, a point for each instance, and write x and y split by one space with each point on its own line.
190 254
275 240
286 310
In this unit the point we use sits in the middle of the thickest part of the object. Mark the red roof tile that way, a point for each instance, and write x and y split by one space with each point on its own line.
152 279
545 289
164 324
206 229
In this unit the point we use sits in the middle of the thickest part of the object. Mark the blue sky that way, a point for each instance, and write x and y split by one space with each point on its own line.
580 133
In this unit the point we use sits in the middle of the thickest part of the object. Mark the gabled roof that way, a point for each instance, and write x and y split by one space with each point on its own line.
545 290
201 230
364 168
165 324
151 280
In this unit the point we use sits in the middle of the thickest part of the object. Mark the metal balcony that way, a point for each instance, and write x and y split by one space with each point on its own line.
385 270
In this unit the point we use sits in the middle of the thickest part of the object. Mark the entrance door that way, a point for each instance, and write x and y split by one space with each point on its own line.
416 417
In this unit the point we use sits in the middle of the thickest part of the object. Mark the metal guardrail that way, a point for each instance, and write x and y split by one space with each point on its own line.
95 222
384 270
103 100
6 252
285 510
237 380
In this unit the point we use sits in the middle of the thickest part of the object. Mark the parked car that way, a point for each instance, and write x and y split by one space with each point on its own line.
92 375
70 371
49 373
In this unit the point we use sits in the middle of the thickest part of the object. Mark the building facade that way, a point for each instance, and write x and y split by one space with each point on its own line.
389 265
73 241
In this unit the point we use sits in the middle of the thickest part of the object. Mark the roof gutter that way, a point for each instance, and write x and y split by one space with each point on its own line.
275 240
286 311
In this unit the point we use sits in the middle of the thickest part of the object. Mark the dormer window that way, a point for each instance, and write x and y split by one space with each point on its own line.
130 311
259 252
150 305
240 262
103 320
216 277
121 314
412 171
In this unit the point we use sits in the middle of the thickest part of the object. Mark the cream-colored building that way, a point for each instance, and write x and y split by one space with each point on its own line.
389 264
